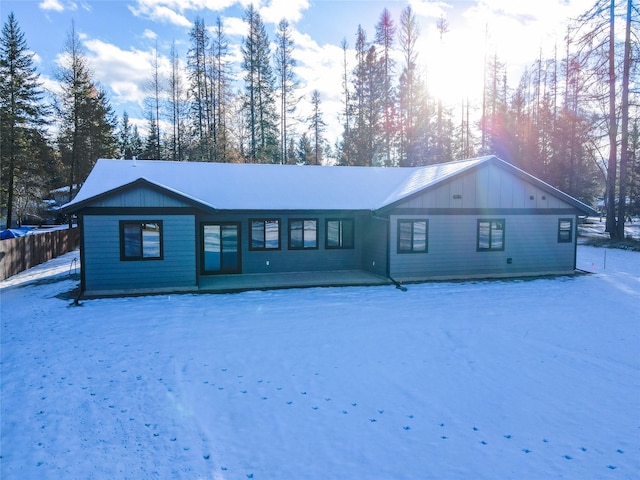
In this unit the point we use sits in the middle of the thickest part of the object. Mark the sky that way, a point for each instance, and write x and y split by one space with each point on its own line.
120 37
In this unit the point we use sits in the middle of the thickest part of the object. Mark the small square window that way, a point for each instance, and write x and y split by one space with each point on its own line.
413 236
340 233
490 235
565 230
141 240
303 234
264 234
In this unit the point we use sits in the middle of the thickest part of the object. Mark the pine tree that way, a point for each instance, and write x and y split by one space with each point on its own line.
201 107
385 33
318 127
87 130
178 107
220 94
287 83
410 92
259 92
22 114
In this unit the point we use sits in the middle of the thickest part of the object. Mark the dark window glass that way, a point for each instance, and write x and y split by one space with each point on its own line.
141 240
565 230
412 236
340 233
490 235
303 234
265 234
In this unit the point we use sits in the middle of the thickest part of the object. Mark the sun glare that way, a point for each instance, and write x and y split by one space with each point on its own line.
454 68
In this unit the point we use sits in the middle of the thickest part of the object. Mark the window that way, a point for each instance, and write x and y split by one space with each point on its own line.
264 234
413 236
303 234
565 230
339 233
141 240
490 235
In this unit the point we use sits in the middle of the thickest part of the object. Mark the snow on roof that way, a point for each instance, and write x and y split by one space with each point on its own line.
228 186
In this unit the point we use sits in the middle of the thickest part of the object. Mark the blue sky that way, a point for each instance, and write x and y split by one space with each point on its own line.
120 36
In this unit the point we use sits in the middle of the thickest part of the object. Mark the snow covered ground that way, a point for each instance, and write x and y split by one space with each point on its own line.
534 379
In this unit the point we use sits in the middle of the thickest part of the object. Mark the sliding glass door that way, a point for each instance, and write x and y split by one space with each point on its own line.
220 244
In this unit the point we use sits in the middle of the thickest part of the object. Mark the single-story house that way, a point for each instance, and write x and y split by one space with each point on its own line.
160 226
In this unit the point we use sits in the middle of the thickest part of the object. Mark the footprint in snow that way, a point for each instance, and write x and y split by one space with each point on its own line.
526 450
507 437
620 451
583 449
567 457
406 427
380 412
483 442
611 467
475 429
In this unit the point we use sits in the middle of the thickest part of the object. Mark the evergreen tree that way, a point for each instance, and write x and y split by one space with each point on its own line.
201 106
87 129
221 94
385 33
411 95
285 63
22 115
178 107
259 92
318 127
304 152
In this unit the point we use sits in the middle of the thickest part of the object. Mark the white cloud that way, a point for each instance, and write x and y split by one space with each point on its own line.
429 8
149 34
125 72
279 9
54 5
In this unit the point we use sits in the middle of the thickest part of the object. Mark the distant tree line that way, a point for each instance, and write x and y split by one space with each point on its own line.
572 120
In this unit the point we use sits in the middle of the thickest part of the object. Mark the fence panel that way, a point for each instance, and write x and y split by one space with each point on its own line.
19 254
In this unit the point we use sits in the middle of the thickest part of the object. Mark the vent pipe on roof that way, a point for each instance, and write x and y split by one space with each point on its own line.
134 161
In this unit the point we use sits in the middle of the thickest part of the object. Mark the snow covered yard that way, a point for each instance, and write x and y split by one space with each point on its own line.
497 379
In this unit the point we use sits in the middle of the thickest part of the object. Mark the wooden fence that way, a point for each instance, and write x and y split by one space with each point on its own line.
18 254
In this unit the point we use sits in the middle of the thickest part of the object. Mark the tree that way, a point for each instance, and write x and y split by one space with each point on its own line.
259 91
153 148
87 129
22 114
410 92
221 94
201 106
285 63
385 33
177 109
318 127
596 37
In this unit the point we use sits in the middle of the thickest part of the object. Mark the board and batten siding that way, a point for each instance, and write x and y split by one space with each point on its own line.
139 197
105 273
531 247
486 187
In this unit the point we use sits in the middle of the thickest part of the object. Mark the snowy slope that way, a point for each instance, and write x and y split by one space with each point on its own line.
534 379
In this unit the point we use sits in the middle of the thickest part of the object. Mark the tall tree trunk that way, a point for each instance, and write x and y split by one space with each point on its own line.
624 126
610 201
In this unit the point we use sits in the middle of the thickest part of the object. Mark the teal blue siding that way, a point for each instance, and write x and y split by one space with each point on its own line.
104 272
286 260
531 242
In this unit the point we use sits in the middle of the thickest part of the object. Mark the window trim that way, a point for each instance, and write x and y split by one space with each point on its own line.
341 228
412 221
141 257
563 240
303 247
490 248
264 231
